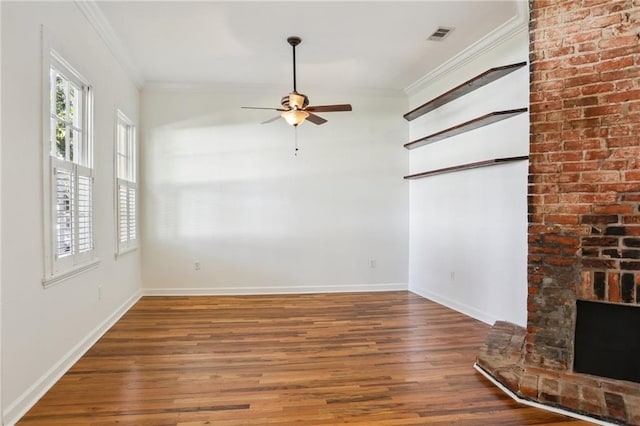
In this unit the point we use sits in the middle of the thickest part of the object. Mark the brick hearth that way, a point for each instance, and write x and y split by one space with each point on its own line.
584 196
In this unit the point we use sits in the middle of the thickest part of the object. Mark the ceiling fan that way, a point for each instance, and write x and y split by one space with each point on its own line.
295 106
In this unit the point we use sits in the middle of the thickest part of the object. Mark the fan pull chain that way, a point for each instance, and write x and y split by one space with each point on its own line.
295 139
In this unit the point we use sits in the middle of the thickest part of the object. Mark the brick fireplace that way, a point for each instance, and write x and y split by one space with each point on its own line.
584 198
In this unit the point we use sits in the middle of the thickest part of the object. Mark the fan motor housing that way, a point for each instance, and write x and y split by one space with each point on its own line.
285 100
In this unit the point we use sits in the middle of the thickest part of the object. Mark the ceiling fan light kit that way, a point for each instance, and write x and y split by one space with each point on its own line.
295 106
295 117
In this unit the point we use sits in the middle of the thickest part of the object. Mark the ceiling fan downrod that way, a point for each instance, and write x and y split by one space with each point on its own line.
294 41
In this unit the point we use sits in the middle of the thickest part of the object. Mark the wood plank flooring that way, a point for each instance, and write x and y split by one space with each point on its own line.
325 359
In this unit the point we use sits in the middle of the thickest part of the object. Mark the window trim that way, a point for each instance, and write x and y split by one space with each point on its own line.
53 273
130 245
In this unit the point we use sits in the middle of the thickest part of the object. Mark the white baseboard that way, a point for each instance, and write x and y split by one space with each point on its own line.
24 402
455 305
238 291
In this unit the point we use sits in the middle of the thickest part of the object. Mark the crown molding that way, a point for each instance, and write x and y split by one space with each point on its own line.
514 26
96 18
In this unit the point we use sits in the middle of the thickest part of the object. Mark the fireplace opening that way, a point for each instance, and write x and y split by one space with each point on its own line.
607 340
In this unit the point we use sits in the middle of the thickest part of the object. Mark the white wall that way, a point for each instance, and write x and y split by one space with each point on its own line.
468 239
44 330
224 190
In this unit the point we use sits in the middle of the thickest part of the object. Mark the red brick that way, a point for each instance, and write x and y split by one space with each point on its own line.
631 220
601 176
582 101
616 142
543 147
569 395
562 240
549 64
580 166
598 88
596 154
628 151
587 47
618 52
549 390
615 75
582 144
546 106
592 400
561 219
625 85
529 386
613 283
625 209
561 73
617 187
632 175
633 231
582 80
559 261
582 124
565 156
623 41
596 198
614 165
577 14
595 132
584 289
623 97
602 110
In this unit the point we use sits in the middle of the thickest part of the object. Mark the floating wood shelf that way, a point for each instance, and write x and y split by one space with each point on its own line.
461 90
467 166
492 117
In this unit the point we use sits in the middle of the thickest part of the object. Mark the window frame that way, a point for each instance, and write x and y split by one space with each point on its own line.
126 180
57 269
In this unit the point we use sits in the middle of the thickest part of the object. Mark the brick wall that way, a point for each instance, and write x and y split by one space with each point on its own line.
584 197
584 222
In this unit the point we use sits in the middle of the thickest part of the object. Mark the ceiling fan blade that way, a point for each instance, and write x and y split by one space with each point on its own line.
271 120
272 109
328 108
315 119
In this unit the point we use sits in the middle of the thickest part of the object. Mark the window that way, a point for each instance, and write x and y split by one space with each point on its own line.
126 187
69 174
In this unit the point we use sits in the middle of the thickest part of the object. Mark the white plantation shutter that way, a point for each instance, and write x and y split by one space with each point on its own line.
64 180
123 213
73 234
127 226
84 210
132 213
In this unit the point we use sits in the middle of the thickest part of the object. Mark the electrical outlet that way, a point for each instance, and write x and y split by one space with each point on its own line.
372 263
99 291
453 276
196 265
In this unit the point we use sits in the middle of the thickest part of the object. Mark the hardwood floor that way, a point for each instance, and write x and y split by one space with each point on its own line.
325 359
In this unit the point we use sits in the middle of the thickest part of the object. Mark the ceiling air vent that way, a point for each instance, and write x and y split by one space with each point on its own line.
440 34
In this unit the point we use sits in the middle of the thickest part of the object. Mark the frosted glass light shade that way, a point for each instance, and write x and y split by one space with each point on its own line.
295 117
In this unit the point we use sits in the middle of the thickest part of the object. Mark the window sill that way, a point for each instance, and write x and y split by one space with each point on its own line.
125 251
76 270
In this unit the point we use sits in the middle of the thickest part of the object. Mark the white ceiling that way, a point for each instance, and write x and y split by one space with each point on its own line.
359 45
